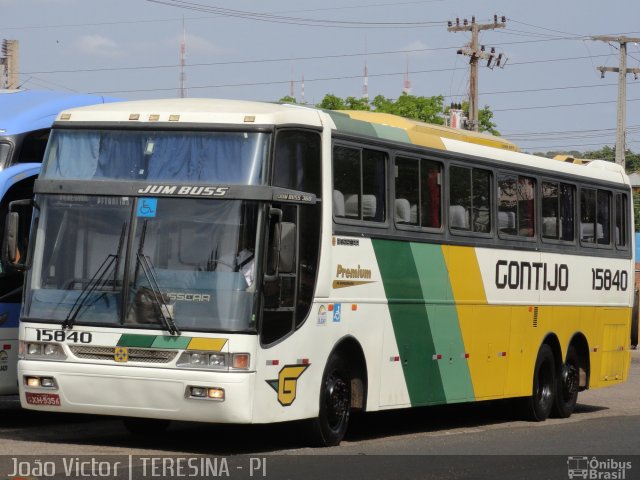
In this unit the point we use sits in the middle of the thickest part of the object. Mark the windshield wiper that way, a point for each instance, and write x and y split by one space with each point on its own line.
156 294
98 280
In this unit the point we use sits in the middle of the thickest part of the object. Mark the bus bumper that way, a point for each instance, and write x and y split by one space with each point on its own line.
137 391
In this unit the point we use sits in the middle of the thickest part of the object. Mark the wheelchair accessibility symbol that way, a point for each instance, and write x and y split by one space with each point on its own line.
147 207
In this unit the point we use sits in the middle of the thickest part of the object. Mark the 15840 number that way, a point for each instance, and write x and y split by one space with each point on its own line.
46 335
605 279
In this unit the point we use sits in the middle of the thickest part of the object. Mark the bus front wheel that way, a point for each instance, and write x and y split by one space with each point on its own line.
538 406
329 428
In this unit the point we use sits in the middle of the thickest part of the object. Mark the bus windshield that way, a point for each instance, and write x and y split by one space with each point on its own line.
115 261
197 157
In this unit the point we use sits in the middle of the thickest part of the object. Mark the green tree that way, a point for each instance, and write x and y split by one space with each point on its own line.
425 109
287 99
332 102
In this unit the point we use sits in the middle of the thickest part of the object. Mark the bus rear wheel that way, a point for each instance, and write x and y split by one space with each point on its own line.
568 385
335 404
538 406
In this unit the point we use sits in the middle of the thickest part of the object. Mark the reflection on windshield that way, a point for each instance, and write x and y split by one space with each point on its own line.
197 157
4 154
188 262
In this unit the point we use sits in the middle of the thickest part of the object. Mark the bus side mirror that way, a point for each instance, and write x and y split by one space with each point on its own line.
10 253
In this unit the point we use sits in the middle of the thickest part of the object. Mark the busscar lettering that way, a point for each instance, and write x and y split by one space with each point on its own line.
184 190
514 275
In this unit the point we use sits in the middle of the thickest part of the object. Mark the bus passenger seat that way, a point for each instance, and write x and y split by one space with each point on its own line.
403 210
368 206
458 217
351 205
338 203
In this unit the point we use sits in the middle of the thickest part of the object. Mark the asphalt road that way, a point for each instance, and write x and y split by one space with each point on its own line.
479 440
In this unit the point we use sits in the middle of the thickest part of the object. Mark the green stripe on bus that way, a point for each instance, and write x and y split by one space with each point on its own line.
344 123
130 340
443 321
410 320
162 341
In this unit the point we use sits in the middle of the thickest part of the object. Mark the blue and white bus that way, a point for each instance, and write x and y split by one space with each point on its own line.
25 122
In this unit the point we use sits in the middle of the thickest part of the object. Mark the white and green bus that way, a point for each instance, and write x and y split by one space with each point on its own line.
237 262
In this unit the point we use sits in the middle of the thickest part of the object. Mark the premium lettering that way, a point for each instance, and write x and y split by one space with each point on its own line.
343 272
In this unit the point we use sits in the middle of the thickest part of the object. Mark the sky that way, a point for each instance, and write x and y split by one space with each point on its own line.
548 96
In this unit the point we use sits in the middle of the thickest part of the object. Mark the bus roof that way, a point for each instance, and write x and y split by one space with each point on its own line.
371 124
420 133
27 110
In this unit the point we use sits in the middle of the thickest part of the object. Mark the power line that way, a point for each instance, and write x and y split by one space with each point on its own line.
177 19
288 59
309 22
320 79
560 105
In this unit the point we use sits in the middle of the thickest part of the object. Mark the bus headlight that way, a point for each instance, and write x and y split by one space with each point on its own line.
214 361
42 351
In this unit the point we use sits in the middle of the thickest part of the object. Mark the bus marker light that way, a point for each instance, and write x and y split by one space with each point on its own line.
174 118
502 354
303 361
33 382
437 356
199 392
273 362
216 393
249 118
465 355
395 358
47 382
154 117
330 307
6 346
354 307
240 360
134 116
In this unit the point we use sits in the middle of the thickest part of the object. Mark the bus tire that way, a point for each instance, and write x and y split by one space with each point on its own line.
568 385
329 428
537 407
145 427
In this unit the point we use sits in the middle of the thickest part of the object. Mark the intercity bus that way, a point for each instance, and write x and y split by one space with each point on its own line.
26 117
237 262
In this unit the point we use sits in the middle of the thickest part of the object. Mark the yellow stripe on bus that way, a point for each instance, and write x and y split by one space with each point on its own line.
208 344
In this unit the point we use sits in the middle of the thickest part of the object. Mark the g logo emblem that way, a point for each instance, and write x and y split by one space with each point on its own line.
287 383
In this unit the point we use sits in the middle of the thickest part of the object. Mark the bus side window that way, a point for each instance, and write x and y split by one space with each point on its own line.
359 183
10 279
622 213
516 205
33 147
469 199
595 216
558 203
297 161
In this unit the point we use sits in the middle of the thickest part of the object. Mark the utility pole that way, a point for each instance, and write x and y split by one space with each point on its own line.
621 123
10 63
474 53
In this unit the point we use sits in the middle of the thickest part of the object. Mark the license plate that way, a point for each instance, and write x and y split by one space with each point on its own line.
46 399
